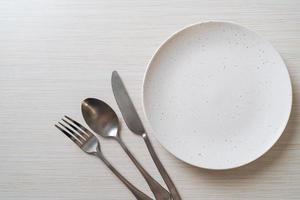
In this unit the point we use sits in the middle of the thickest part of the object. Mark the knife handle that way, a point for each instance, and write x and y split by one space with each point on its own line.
139 195
159 192
174 193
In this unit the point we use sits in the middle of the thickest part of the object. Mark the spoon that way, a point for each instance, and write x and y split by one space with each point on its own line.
102 119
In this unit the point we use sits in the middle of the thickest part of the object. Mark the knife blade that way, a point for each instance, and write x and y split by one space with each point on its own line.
126 106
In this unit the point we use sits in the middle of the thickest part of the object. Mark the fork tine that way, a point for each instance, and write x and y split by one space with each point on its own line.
80 132
81 139
69 135
86 131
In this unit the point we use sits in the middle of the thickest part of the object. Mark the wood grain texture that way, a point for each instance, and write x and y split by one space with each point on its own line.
55 53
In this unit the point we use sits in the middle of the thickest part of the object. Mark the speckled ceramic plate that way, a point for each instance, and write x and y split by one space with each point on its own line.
217 95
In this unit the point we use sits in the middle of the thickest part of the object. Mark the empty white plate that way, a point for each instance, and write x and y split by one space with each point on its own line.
217 95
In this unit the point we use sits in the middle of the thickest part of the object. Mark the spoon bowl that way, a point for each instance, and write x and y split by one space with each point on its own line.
100 117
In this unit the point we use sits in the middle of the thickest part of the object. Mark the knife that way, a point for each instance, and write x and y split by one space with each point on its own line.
134 123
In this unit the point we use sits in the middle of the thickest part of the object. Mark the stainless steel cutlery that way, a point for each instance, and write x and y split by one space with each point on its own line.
102 119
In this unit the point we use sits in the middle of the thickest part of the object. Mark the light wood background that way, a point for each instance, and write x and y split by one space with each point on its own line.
55 53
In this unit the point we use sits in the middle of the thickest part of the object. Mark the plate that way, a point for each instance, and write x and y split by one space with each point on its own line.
217 95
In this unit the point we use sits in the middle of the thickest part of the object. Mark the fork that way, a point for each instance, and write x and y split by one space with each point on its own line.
89 143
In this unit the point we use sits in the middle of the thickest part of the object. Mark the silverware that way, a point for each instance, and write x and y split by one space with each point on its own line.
102 119
86 141
134 123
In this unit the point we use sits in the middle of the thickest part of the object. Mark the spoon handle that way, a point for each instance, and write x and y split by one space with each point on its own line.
159 192
174 193
136 192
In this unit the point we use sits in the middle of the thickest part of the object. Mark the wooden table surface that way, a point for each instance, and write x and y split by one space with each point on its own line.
55 53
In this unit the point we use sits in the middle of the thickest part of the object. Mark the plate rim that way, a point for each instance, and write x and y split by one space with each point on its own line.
282 127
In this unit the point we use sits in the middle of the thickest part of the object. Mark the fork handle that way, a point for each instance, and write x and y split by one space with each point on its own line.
136 192
171 186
